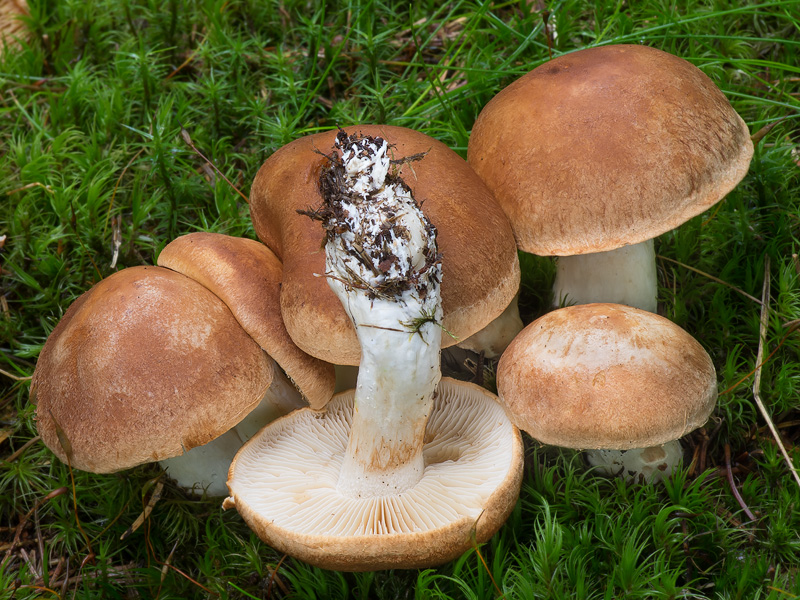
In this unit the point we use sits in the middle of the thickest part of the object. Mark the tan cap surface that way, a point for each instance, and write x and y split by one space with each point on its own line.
480 267
608 146
146 364
12 26
606 376
246 276
284 484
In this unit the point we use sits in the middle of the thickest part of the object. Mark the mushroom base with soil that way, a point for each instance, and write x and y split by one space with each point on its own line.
649 465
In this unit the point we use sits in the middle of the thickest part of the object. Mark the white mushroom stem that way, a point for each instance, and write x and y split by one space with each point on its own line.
649 465
626 275
493 339
205 468
397 376
382 263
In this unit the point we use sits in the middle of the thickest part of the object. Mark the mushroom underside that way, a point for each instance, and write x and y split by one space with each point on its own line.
285 484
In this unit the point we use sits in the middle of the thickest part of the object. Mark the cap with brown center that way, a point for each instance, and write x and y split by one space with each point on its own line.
246 275
606 376
285 482
479 260
144 366
607 147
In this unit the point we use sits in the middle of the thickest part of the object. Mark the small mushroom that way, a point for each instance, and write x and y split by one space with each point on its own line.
595 153
373 497
145 366
608 378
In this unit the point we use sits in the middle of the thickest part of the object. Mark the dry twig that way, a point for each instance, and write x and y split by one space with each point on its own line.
732 483
711 277
22 449
15 377
762 338
188 140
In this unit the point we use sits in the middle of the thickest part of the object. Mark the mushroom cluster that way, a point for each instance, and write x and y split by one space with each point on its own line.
174 363
224 353
592 155
179 363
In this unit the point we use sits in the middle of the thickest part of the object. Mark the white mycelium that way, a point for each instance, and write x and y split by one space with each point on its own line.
382 263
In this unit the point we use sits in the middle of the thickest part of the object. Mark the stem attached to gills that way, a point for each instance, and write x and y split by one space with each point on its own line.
382 263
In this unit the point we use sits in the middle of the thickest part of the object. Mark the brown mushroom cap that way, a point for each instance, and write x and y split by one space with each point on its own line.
606 376
144 366
480 267
607 146
246 276
12 26
284 484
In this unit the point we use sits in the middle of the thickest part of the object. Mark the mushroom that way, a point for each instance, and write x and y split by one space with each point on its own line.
609 378
246 276
286 485
595 153
171 336
379 493
480 265
147 365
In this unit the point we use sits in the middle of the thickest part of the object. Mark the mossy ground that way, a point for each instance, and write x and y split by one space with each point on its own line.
91 151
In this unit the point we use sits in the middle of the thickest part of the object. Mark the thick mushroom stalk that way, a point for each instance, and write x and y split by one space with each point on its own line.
625 275
382 263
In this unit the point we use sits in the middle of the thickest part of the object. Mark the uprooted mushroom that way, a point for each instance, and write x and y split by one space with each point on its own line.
395 474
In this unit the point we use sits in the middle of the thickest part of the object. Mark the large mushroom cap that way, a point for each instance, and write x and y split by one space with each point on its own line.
144 366
479 260
284 484
606 376
606 147
246 276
